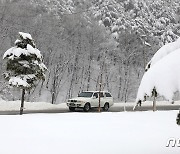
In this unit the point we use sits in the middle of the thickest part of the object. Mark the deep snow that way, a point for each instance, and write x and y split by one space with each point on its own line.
89 133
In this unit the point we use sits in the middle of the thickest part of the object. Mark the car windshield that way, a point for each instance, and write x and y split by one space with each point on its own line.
85 94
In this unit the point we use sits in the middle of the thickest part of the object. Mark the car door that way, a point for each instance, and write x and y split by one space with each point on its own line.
109 98
95 100
102 99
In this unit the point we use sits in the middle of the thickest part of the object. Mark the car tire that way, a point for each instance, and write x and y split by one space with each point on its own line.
72 109
87 107
106 107
178 118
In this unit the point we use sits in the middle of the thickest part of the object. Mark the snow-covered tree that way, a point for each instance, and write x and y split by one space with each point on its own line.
163 78
24 64
163 51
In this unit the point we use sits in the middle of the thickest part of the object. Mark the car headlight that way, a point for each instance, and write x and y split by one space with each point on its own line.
80 101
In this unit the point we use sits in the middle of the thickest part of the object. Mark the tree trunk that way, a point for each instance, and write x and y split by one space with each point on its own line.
127 85
154 104
154 94
120 81
22 101
89 75
53 90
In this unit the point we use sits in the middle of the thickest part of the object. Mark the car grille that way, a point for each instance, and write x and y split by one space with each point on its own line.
72 101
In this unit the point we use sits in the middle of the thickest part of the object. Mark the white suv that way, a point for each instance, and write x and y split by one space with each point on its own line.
90 99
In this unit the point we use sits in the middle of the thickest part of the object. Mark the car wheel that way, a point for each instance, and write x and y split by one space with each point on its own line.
178 119
72 108
106 107
87 107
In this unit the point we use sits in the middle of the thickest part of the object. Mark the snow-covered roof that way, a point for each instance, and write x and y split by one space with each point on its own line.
164 76
163 51
25 35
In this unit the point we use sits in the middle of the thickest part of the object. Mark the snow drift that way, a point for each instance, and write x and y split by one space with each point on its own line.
164 76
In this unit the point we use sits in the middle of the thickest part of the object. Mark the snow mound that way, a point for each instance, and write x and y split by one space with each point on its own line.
163 51
164 77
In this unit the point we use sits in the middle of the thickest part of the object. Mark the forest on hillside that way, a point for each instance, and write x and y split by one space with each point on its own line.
84 40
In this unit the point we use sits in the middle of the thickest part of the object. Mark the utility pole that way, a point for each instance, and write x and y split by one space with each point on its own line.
154 103
100 83
100 86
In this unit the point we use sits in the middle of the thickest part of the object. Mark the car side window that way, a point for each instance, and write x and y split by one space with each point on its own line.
101 95
108 95
95 95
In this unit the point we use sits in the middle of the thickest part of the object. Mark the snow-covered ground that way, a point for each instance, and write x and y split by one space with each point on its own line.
88 133
15 105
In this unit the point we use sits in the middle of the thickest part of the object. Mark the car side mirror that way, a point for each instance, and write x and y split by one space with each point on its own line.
94 97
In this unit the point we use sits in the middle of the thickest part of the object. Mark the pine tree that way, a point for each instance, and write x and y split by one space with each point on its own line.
24 65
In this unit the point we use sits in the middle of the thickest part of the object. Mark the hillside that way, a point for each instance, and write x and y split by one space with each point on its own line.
82 39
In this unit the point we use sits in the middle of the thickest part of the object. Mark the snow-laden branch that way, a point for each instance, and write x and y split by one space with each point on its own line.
163 51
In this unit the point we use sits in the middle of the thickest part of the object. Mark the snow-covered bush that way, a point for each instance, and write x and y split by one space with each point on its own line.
24 64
